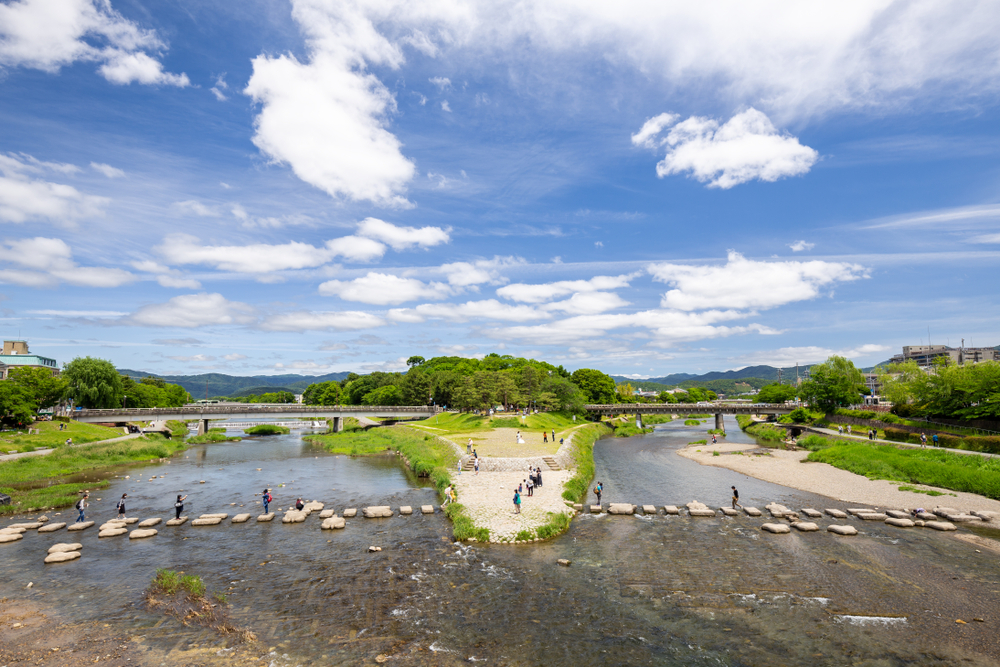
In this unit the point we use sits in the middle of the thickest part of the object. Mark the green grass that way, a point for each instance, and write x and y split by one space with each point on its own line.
452 422
178 428
761 430
699 442
51 436
267 429
929 467
505 422
629 429
816 442
214 435
716 431
929 492
462 526
171 582
577 487
692 422
546 421
656 419
557 525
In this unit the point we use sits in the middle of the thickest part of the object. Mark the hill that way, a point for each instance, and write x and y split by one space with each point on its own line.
219 384
768 373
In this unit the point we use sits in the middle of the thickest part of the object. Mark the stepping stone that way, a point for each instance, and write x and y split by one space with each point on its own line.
901 523
149 523
333 522
944 511
871 516
10 537
65 546
984 515
898 514
53 527
837 514
777 510
241 518
326 514
941 525
177 522
695 505
728 511
264 518
406 509
214 516
596 509
563 561
842 530
26 526
11 529
811 513
859 510
427 509
752 511
313 506
621 508
704 512
776 528
206 522
294 517
62 557
377 512
113 532
112 524
80 525
927 516
351 512
649 509
130 520
954 518
140 533
672 510
577 506
805 526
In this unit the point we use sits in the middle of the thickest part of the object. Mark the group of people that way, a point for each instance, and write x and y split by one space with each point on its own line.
534 480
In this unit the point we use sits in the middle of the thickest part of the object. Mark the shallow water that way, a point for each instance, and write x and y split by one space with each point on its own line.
641 590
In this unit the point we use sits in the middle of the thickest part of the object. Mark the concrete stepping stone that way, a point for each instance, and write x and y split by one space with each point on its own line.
140 533
837 514
62 557
776 528
901 523
898 514
53 527
941 525
264 518
313 506
113 532
837 529
649 509
872 516
671 510
130 520
777 510
201 521
65 546
596 509
406 509
984 515
326 514
6 538
219 515
241 518
728 511
333 523
177 522
927 516
752 511
954 518
80 525
112 524
695 505
805 526
11 529
427 509
578 506
811 513
944 511
621 508
294 517
35 525
854 511
377 512
149 523
350 512
700 512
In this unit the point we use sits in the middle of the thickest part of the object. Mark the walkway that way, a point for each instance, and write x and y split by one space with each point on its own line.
881 441
43 452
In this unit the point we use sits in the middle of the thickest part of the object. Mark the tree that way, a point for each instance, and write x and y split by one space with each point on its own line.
93 383
415 360
17 406
776 393
835 383
625 392
385 395
322 393
44 388
597 386
416 387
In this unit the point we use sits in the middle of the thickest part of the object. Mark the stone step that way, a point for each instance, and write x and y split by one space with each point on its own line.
551 463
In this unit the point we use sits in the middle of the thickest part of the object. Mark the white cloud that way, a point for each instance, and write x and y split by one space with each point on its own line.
526 293
196 357
234 357
391 366
470 274
384 289
749 284
986 238
489 309
799 246
90 314
166 276
789 356
50 34
445 106
219 87
651 129
46 262
107 170
441 82
23 199
321 321
588 303
194 207
401 238
193 310
745 148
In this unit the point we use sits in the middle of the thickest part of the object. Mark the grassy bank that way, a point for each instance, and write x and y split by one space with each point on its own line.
267 429
761 430
49 435
461 423
214 435
931 467
578 486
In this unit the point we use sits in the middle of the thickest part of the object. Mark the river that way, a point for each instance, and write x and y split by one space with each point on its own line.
640 591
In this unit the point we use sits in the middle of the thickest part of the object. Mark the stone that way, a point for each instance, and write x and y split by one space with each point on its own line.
427 509
954 518
26 526
805 526
264 518
112 524
578 507
899 523
206 522
326 514
42 519
859 510
984 515
333 522
695 505
728 511
65 546
792 516
406 509
811 513
919 523
898 514
372 550
80 525
837 529
941 525
944 511
313 506
377 512
776 528
621 508
596 509
777 510
871 516
564 562
113 532
62 557
241 518
130 520
10 537
752 511
294 517
704 512
837 514
12 529
214 516
140 533
350 512
149 523
177 522
649 509
927 516
53 527
671 510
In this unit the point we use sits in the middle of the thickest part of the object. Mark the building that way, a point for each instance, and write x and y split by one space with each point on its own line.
16 354
926 355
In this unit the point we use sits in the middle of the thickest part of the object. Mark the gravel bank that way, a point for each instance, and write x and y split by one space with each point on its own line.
489 500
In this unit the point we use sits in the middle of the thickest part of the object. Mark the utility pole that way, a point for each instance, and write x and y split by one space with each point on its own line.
779 376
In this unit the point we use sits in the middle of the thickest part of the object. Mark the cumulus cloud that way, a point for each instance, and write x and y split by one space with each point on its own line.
541 293
745 148
648 135
401 238
234 357
384 289
478 272
50 34
23 198
441 82
193 310
445 106
107 170
166 276
588 303
489 309
799 246
322 321
45 262
749 284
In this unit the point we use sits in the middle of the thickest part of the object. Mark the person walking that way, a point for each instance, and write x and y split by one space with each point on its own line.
477 466
517 502
553 435
545 436
81 507
447 496
598 490
934 438
266 497
736 499
517 438
468 447
923 440
121 506
179 506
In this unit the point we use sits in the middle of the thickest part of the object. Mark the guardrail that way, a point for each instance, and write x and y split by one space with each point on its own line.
748 408
245 408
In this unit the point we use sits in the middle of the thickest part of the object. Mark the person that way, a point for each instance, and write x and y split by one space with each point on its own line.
459 465
121 506
538 476
530 485
597 492
517 502
81 506
714 440
545 436
179 506
520 488
299 505
840 430
923 440
736 499
553 435
447 496
477 466
468 447
267 498
848 429
935 439
560 442
475 454
69 441
517 438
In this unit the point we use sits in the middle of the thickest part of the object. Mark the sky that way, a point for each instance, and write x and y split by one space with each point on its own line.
644 187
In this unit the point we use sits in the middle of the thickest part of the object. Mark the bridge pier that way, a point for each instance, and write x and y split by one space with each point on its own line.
338 424
203 426
720 422
638 420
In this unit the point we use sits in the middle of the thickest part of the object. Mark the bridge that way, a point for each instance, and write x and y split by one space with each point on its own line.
717 409
253 412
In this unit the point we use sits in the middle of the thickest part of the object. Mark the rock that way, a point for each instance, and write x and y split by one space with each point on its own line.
919 523
777 510
149 523
53 527
65 546
201 481
752 511
621 508
26 526
113 532
294 517
201 521
842 530
80 525
42 519
859 510
112 524
649 509
728 511
699 512
578 507
62 557
944 511
805 526
811 513
333 523
900 523
776 528
837 514
871 516
5 538
313 506
130 520
177 522
11 529
695 505
214 516
984 515
564 562
264 518
898 514
927 516
241 518
372 550
954 518
427 509
376 512
596 509
140 533
326 514
941 525
350 512
406 509
671 510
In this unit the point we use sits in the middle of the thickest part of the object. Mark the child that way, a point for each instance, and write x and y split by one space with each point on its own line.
267 498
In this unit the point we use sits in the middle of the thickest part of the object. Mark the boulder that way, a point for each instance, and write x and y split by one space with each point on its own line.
65 546
372 550
752 511
596 509
10 537
927 516
792 516
62 557
350 512
405 509
842 530
326 514
113 532
859 510
777 510
12 529
871 516
241 518
140 533
776 528
80 525
984 515
427 509
728 511
704 512
837 514
649 509
376 512
811 513
130 520
149 523
941 525
899 523
177 522
333 522
294 517
920 523
672 510
621 508
214 516
201 521
264 518
53 527
805 526
954 518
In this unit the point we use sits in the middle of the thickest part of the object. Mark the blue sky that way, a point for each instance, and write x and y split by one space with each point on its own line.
641 187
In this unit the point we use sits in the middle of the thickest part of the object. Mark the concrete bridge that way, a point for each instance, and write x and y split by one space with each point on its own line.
717 408
253 412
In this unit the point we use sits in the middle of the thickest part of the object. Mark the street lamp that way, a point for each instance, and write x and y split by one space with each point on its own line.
125 404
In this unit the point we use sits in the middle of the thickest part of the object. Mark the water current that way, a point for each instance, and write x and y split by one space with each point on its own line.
640 591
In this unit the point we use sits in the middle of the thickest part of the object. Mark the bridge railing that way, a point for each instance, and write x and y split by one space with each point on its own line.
686 407
250 408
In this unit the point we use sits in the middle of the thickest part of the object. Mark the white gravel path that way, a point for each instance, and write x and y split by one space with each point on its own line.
489 500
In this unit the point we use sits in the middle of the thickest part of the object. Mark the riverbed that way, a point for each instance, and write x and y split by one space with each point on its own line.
640 590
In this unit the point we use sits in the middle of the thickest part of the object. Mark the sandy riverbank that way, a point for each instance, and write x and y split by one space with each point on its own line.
788 469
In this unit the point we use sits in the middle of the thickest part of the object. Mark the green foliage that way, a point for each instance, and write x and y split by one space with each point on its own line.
49 435
284 397
801 416
213 436
505 422
93 383
814 442
871 415
462 526
17 405
776 393
577 487
45 497
974 443
152 392
969 391
716 431
929 492
322 393
524 536
193 584
415 360
595 385
386 395
178 429
692 422
167 581
267 429
698 442
833 384
44 388
657 419
760 430
715 453
557 524
629 429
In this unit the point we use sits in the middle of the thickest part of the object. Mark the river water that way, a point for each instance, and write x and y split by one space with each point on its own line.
640 591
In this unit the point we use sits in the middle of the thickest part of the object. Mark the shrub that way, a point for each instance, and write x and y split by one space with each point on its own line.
267 429
462 526
524 536
691 422
575 490
557 525
167 581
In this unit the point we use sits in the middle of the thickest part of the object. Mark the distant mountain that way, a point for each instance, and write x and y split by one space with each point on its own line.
769 373
219 384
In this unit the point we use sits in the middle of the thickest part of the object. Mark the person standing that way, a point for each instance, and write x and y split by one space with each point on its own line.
179 506
923 440
530 485
517 502
736 499
447 496
81 507
553 435
468 447
538 476
121 506
935 439
598 490
545 436
476 465
266 497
